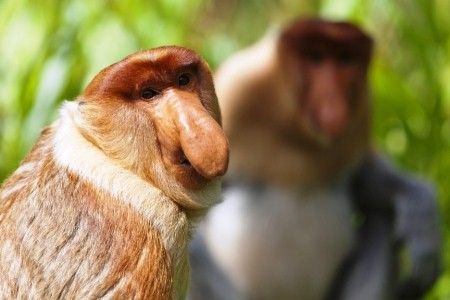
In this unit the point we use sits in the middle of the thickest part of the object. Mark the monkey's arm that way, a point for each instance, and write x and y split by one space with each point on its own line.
369 271
380 189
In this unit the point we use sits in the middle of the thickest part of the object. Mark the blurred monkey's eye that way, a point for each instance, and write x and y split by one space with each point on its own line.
184 79
314 57
345 59
148 93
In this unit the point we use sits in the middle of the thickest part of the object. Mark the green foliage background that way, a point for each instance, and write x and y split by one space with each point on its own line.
50 49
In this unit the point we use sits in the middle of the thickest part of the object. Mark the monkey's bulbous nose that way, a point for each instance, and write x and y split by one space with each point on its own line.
201 137
207 148
332 117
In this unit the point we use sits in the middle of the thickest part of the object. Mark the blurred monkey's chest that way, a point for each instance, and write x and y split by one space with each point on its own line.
283 243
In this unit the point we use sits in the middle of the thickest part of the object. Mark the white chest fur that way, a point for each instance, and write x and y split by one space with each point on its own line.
278 244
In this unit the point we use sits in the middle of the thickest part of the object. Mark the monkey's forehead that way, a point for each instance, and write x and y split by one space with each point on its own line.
158 65
317 28
167 56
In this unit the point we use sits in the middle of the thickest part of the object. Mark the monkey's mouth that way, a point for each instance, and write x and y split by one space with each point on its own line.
184 162
186 173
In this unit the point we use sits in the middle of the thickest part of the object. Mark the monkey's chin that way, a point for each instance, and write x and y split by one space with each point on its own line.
311 140
324 141
320 140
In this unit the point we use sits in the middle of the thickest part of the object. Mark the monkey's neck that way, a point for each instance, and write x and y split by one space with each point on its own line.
72 151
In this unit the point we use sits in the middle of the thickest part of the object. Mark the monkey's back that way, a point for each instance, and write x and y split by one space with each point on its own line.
62 238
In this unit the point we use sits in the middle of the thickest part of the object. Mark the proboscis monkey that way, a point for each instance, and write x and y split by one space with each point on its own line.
104 204
296 111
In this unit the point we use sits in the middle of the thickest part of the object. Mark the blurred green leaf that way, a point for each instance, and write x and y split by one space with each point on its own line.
50 50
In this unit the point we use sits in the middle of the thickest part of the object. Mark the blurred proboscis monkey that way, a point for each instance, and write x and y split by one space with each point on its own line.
310 210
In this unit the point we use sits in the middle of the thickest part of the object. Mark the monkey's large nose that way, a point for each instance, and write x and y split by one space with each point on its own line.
332 116
201 137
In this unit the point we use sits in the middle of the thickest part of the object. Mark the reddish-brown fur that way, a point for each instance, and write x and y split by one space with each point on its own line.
333 58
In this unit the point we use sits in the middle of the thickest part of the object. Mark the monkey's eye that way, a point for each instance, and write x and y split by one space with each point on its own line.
148 93
345 59
184 79
315 57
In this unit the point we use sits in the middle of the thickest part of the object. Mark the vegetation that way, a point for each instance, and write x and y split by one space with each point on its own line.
51 49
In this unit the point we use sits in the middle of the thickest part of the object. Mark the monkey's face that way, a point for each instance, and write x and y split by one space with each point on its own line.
327 65
156 112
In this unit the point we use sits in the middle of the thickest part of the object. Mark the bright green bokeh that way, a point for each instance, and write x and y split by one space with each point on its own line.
49 51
